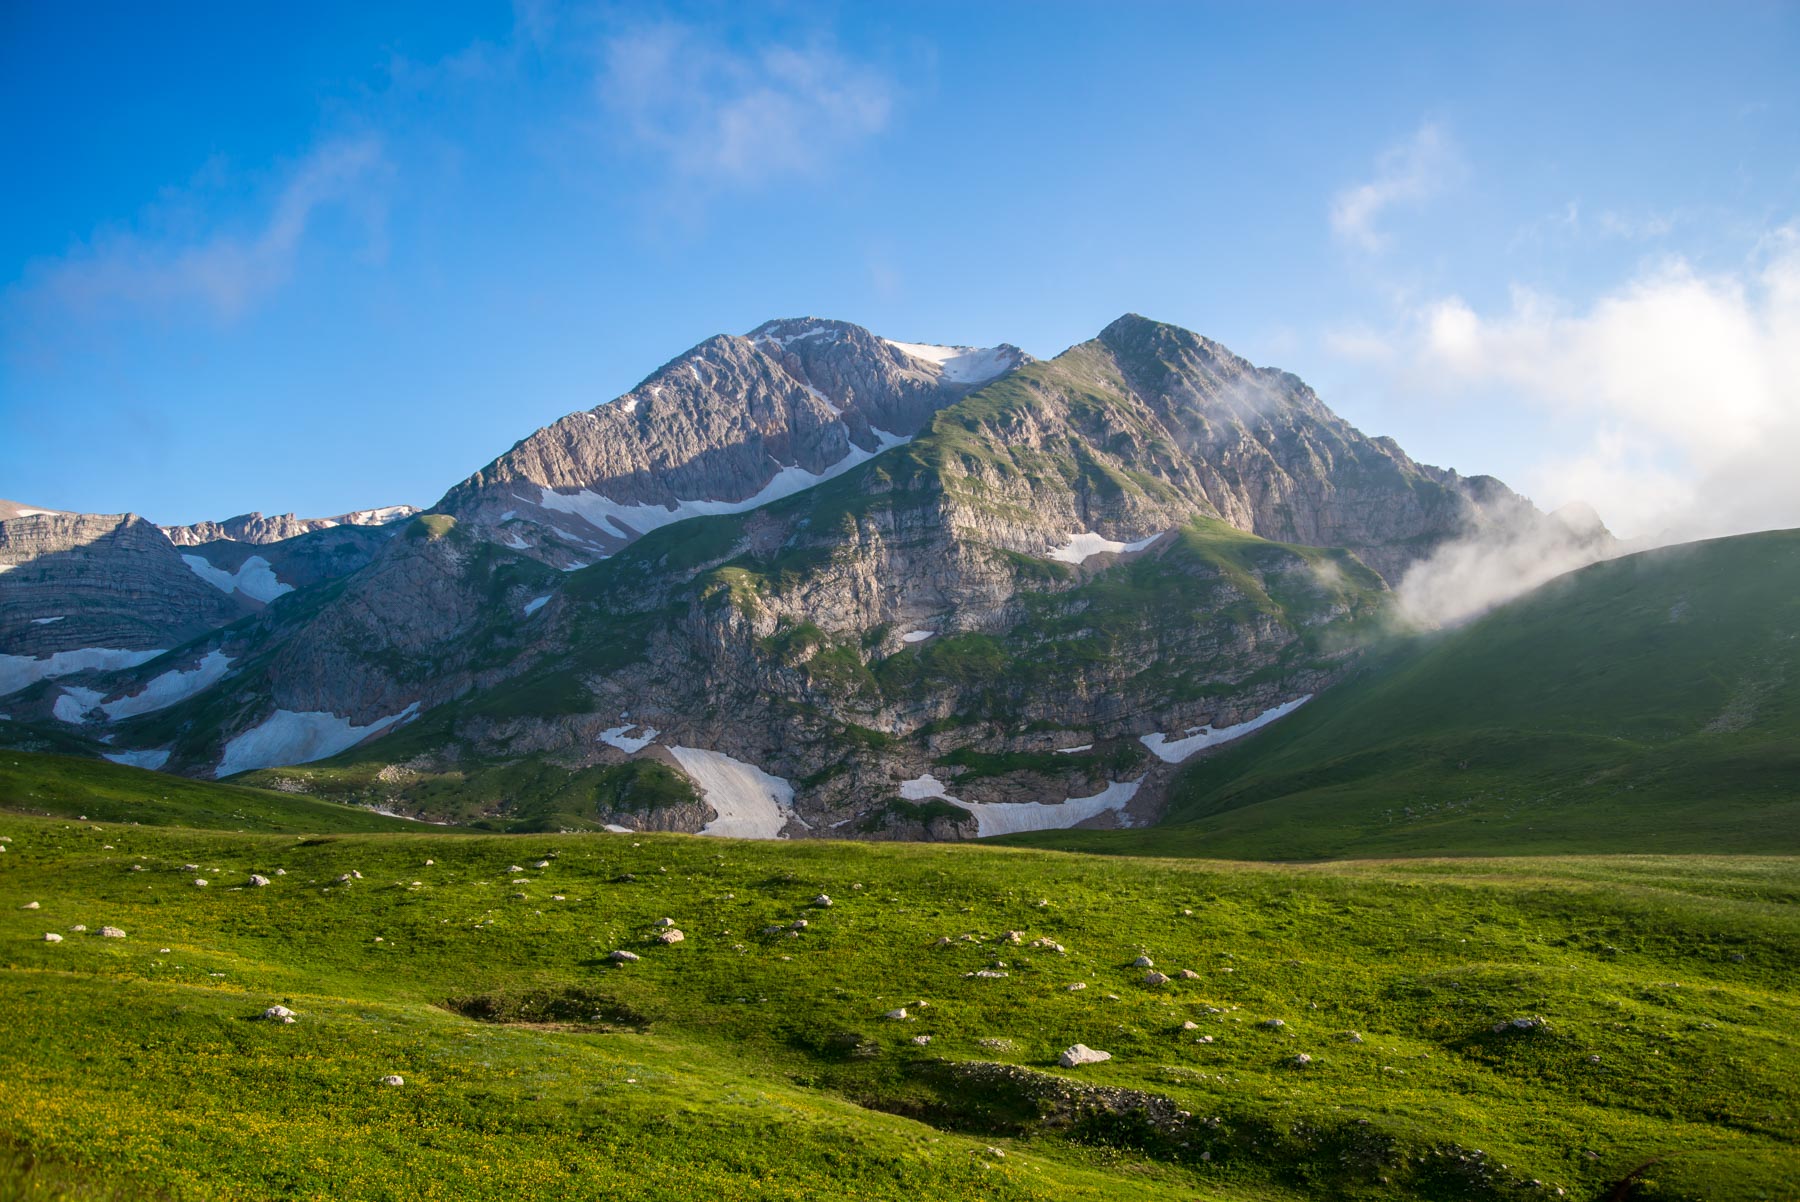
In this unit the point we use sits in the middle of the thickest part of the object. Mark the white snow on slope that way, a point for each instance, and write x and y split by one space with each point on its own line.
165 690
290 737
47 621
536 603
515 542
751 804
152 759
622 738
622 521
959 364
1073 750
1198 738
1012 817
74 702
616 829
1080 546
18 671
916 636
253 578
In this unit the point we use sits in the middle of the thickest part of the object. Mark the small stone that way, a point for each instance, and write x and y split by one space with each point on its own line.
1525 1024
78 927
665 922
344 879
1187 913
542 864
1077 985
672 935
278 1014
1188 974
921 1040
429 863
199 882
1143 962
393 1079
111 933
621 956
1272 1024
1190 1025
515 869
1353 1036
137 868
1154 979
1594 1059
281 872
1014 937
1301 1061
29 906
822 901
1082 1054
190 868
355 874
898 1014
258 879
52 937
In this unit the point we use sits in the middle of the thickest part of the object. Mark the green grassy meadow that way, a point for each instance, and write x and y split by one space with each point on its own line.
751 1062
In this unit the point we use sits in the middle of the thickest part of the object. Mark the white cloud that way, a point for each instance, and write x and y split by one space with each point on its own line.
721 115
1674 400
224 271
1410 173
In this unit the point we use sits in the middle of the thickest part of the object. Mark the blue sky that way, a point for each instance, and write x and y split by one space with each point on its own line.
337 256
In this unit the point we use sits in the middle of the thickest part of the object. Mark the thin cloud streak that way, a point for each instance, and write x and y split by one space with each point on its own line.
1416 170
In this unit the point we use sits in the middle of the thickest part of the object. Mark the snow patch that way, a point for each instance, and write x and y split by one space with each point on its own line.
515 542
916 636
1012 817
960 364
622 738
751 804
18 671
536 603
1073 750
1080 546
253 578
165 690
617 829
75 702
626 521
1198 738
290 737
47 621
153 759
577 565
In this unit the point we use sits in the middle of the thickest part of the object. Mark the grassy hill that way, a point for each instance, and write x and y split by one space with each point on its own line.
1648 704
752 1058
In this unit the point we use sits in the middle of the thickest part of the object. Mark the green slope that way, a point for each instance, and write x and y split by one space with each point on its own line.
66 787
749 1063
1651 703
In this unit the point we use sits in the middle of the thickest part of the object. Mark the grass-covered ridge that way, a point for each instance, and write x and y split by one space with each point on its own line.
1651 704
749 1062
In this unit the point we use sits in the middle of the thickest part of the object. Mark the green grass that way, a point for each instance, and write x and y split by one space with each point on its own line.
738 1064
1647 704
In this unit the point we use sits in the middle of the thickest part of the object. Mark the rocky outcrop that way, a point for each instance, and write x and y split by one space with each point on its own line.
257 529
730 424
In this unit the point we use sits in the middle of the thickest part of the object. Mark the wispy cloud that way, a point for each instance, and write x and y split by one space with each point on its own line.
726 116
222 271
1410 173
1676 396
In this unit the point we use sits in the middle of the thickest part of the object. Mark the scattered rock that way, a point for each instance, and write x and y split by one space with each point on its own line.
1081 1054
278 1014
111 933
29 906
281 872
1014 937
1190 1025
259 880
1154 979
921 1040
542 864
1353 1036
1188 974
1301 1061
78 927
1272 1024
344 879
664 922
898 1014
137 868
985 972
621 956
822 901
1077 985
393 1079
52 937
672 935
429 863
1524 1024
199 882
1594 1059
355 875
1143 962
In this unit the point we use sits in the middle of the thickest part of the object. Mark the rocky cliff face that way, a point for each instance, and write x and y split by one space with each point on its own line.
846 586
257 529
729 425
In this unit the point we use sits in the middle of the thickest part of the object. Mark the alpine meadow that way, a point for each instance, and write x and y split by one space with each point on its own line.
1005 738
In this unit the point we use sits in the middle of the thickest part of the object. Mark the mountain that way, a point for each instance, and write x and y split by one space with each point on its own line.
1646 704
255 528
811 580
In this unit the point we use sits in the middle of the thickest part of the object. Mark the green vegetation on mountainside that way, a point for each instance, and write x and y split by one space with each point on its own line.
752 1059
1647 704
